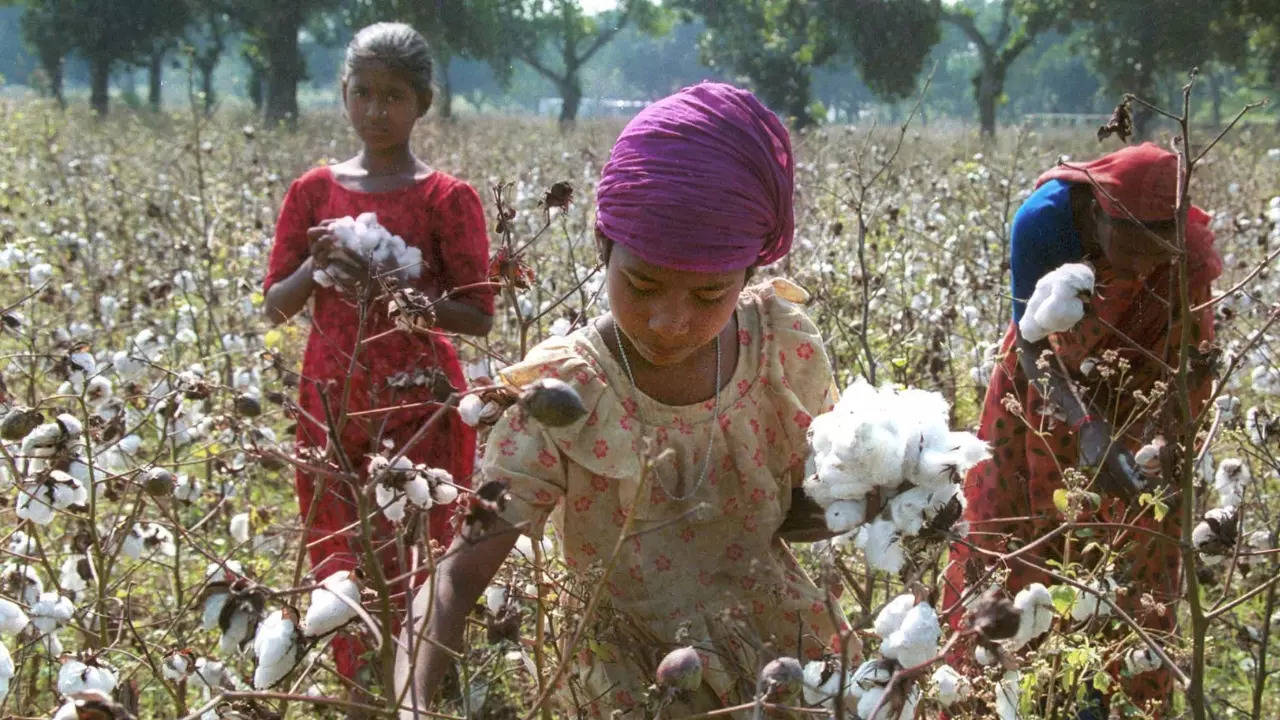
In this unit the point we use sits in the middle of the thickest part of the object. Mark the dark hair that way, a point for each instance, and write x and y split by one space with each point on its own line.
400 48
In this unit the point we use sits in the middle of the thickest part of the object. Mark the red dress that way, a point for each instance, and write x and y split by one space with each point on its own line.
443 217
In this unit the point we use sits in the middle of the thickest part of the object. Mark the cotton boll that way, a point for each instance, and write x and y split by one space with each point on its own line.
890 617
7 670
984 656
239 528
1035 614
70 577
237 633
1055 305
75 676
50 611
276 648
469 409
915 642
844 515
328 611
1089 604
952 687
12 618
524 547
907 510
1265 380
1230 480
22 582
390 500
1141 660
1007 692
882 546
495 597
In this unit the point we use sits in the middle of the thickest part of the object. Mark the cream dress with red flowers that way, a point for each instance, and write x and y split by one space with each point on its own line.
707 571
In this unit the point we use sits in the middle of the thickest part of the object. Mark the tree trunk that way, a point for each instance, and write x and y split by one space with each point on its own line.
986 89
155 74
52 66
284 70
206 83
256 81
99 75
1215 94
444 99
571 94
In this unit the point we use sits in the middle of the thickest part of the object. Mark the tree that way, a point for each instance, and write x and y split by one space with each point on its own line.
51 44
107 33
164 39
271 32
1016 26
531 26
776 43
453 29
206 41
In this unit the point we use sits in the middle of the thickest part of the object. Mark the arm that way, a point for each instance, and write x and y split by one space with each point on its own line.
460 578
285 298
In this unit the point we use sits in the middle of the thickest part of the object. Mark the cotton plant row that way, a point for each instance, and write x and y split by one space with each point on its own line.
895 445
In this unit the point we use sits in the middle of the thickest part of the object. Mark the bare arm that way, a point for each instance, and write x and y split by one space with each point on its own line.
467 568
285 298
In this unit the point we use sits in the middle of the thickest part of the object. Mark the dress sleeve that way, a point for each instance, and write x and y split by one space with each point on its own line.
290 247
1042 238
521 455
464 246
799 372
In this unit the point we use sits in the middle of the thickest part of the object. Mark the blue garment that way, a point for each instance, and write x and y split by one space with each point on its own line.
1043 238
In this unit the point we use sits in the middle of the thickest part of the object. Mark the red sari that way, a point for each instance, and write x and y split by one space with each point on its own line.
1010 497
443 217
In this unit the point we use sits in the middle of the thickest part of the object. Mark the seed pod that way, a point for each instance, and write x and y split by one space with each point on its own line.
994 617
248 406
781 679
681 669
159 482
552 402
18 422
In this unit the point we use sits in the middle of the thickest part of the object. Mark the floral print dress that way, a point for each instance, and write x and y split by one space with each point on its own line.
707 571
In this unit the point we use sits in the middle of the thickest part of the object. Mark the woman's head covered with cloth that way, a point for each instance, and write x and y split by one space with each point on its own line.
1143 180
701 181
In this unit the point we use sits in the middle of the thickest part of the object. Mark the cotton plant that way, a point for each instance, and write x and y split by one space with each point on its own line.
76 676
401 481
1057 303
895 443
369 240
276 647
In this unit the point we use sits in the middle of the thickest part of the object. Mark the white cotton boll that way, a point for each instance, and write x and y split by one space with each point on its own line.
67 711
1007 693
75 676
524 547
1035 614
69 578
39 274
907 510
495 596
6 671
12 618
417 490
68 490
50 611
186 488
1141 660
276 648
443 493
832 481
1256 541
843 516
916 641
469 409
328 611
35 503
1265 380
1228 407
560 327
185 281
23 581
410 263
1056 303
391 500
236 635
1089 604
880 543
176 667
213 604
983 656
239 528
1230 480
952 687
890 617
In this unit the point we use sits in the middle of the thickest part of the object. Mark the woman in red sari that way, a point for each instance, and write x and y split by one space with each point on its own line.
1074 399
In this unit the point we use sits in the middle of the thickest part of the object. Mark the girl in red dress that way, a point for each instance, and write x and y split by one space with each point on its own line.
386 88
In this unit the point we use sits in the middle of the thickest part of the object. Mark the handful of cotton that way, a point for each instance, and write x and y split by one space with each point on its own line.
383 251
1057 303
896 443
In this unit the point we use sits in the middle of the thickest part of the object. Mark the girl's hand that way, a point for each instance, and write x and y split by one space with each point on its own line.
1118 472
350 271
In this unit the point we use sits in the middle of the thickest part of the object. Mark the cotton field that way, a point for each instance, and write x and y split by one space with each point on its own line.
152 559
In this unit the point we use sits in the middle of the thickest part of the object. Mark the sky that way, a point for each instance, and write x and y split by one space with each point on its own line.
594 6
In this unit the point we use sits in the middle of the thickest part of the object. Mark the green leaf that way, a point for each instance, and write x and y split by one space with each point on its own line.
1064 596
1060 500
1101 681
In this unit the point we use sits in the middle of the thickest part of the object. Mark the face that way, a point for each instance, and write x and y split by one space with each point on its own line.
669 314
382 105
1129 247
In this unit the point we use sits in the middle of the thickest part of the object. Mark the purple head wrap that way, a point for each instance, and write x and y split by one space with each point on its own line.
701 180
